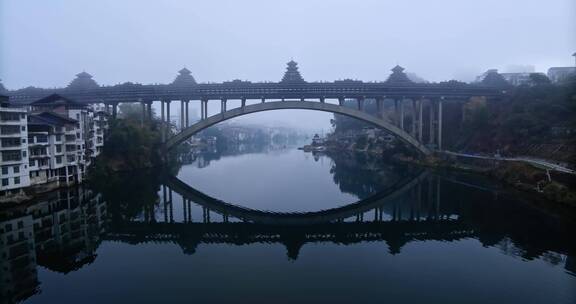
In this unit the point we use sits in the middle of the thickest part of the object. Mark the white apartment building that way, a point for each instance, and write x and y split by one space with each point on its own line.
49 145
13 149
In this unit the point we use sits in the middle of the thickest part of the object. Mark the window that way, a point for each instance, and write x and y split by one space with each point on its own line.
17 180
23 128
4 182
20 224
16 169
58 159
5 170
59 149
9 130
23 153
10 142
11 155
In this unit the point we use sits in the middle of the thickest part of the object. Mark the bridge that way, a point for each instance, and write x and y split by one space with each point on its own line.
374 202
412 203
408 101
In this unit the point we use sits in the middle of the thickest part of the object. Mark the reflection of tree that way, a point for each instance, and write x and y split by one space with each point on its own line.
362 174
128 193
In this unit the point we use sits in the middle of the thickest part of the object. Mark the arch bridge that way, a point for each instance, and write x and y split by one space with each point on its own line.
407 120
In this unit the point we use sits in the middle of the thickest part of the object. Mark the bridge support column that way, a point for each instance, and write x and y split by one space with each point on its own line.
420 125
114 110
341 101
414 118
149 107
402 114
181 114
360 102
223 105
143 117
243 102
168 123
440 123
162 121
431 139
263 100
204 110
187 113
380 107
322 100
396 115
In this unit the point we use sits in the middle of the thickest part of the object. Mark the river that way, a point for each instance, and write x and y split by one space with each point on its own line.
275 224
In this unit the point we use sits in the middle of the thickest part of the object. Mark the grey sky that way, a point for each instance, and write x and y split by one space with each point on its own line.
45 43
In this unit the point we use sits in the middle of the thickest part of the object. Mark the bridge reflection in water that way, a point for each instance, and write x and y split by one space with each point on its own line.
63 231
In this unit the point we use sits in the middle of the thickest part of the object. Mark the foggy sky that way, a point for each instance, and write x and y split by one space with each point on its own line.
45 43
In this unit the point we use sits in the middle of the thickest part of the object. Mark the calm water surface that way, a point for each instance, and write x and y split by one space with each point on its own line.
280 225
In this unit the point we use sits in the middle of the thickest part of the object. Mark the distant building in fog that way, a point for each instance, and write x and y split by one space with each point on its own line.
559 74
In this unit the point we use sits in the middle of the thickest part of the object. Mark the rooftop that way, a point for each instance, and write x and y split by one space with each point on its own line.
50 118
56 99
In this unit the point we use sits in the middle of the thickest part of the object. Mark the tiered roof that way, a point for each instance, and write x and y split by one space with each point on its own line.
398 76
83 81
184 78
292 75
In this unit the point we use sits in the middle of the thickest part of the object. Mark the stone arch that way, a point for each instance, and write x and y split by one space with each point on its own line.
294 105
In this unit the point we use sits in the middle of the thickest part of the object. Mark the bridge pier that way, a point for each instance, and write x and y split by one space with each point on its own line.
243 102
114 110
322 99
143 116
187 113
380 107
168 122
204 109
420 125
181 114
440 123
162 121
223 105
341 101
402 114
360 102
414 118
431 139
149 107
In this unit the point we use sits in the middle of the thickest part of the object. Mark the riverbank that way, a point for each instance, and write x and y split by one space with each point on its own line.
553 186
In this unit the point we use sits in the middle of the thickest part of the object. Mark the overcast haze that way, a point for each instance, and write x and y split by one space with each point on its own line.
45 43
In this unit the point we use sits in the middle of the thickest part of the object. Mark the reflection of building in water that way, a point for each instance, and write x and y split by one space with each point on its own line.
18 275
60 232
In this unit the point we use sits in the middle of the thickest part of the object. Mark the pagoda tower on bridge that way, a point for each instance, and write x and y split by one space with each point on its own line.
292 75
184 78
83 81
398 76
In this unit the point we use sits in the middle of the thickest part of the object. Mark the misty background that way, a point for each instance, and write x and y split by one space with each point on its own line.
45 43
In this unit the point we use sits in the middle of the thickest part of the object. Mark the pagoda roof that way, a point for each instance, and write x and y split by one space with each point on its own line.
83 81
398 76
184 78
56 99
292 75
51 118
